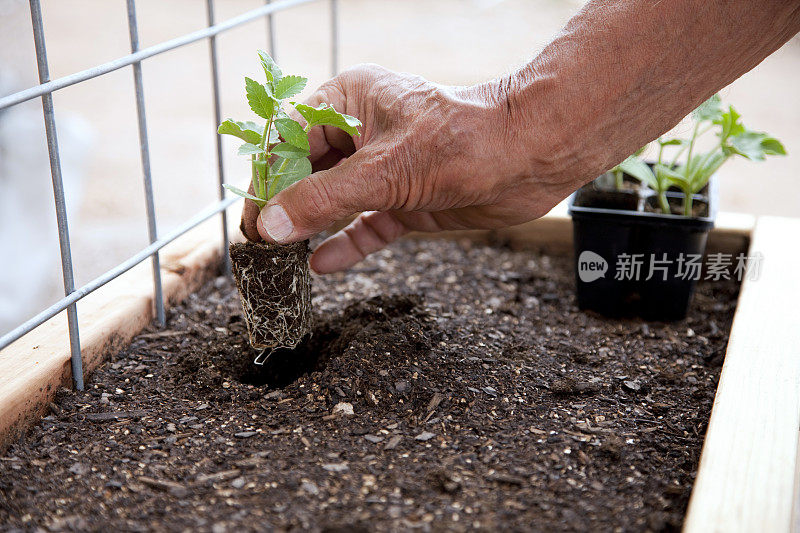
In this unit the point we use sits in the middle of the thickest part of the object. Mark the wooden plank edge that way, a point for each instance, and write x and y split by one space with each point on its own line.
553 234
746 476
795 527
33 368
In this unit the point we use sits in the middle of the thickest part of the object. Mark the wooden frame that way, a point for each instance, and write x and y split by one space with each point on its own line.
748 476
747 479
33 368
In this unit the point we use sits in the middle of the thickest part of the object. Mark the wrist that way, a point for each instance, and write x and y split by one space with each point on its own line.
556 128
542 133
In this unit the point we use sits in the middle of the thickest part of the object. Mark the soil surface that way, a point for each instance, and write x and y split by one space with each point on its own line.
451 387
602 193
699 206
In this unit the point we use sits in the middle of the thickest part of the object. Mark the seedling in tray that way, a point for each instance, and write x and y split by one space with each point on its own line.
274 280
657 223
691 174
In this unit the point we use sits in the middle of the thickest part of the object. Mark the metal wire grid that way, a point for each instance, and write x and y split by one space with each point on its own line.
45 89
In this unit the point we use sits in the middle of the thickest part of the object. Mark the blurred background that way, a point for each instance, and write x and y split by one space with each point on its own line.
449 41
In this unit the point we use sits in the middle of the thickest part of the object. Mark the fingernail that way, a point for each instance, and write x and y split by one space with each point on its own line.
276 222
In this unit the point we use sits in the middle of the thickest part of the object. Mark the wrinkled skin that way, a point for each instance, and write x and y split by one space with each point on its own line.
429 158
432 157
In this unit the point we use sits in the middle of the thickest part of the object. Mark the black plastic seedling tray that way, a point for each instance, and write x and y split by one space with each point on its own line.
610 240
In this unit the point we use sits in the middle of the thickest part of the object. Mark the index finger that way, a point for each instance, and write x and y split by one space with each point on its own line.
328 144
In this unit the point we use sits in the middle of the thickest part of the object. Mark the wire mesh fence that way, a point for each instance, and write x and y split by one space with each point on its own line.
45 91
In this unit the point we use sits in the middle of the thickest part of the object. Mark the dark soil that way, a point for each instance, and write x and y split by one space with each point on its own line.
481 399
275 286
699 206
602 199
602 193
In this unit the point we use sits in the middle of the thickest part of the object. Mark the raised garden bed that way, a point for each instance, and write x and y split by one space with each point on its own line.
481 396
747 478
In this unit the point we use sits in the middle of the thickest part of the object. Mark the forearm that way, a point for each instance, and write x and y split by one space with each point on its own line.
622 73
432 158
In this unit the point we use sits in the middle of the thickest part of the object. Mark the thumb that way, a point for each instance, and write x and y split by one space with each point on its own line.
313 204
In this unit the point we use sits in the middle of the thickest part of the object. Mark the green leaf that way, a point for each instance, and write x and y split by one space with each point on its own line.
756 146
292 132
748 144
703 166
666 176
693 164
288 151
325 115
247 131
274 136
664 170
678 180
773 146
711 109
240 192
633 166
272 70
672 142
293 171
289 86
250 149
260 100
731 125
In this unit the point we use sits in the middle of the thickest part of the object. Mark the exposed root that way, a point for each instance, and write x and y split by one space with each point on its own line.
274 285
263 356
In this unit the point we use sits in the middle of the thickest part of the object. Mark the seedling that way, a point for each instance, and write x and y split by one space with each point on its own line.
279 149
692 172
274 281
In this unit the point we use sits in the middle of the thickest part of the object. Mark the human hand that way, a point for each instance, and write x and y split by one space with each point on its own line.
429 158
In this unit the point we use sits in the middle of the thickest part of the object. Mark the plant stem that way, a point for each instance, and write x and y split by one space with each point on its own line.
691 149
254 173
677 156
263 181
683 148
687 204
618 179
265 146
265 136
662 200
